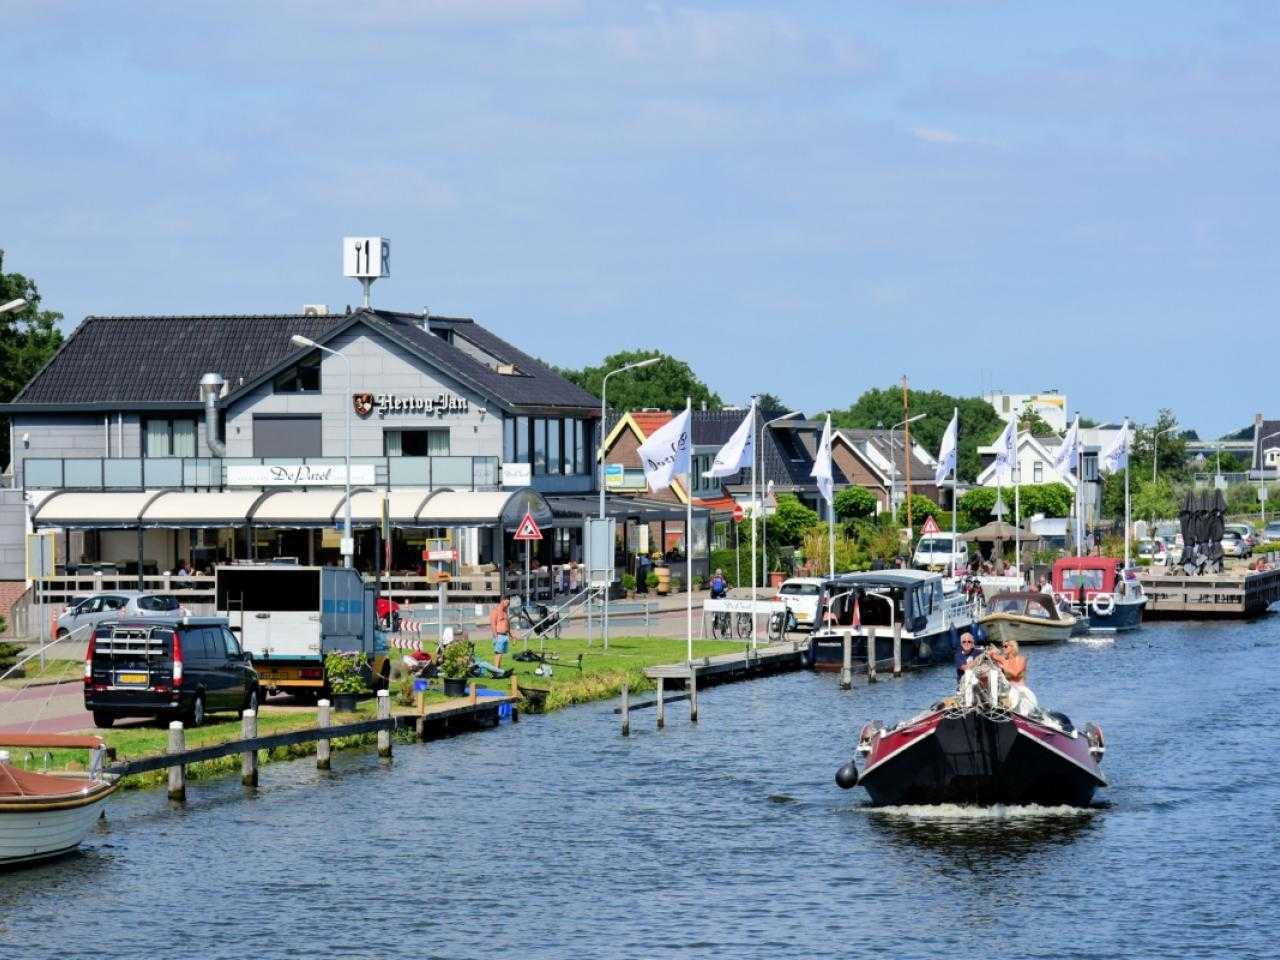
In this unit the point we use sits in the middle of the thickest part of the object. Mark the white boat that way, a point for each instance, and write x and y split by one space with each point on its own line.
1027 616
45 815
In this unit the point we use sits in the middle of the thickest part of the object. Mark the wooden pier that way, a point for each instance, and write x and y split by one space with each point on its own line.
725 667
1226 595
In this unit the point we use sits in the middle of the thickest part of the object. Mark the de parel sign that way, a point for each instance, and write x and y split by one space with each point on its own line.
365 404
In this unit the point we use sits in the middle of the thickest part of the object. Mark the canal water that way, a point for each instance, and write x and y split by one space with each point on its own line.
555 837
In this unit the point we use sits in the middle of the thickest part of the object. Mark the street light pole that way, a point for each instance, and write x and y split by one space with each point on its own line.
764 484
348 546
1262 475
604 392
893 457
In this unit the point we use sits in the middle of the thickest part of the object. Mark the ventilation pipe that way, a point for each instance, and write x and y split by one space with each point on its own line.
211 385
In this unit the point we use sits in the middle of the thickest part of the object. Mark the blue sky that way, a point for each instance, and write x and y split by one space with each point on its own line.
808 199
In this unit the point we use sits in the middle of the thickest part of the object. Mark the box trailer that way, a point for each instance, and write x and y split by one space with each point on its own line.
289 618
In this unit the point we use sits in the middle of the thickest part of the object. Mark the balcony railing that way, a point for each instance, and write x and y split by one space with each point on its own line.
157 473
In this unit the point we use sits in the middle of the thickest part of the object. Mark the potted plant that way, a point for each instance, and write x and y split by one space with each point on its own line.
455 667
629 584
345 673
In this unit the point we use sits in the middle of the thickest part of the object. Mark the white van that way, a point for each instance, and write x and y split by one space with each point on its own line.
935 551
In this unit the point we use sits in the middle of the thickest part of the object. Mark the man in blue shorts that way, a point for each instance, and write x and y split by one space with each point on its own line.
500 625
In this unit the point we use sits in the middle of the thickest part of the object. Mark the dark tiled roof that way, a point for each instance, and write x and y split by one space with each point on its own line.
127 360
891 449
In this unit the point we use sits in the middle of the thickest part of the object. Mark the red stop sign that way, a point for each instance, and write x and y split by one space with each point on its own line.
737 513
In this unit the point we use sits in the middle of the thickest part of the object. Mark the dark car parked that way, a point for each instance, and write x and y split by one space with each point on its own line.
183 668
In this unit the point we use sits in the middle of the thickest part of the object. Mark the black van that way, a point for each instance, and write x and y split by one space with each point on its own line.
181 668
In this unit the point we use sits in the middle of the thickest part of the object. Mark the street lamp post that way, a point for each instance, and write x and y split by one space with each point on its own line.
604 392
1262 475
348 546
764 485
893 457
13 305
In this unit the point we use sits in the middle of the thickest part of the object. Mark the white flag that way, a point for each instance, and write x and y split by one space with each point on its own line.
1116 457
1007 449
666 453
822 463
1064 462
737 453
947 455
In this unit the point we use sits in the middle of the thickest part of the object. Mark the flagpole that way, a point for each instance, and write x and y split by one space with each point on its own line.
1017 508
755 506
688 533
955 467
1126 493
831 513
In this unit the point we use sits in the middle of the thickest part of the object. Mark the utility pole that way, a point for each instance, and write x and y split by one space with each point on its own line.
906 448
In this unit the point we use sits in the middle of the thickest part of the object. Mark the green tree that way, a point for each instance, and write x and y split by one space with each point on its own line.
1031 422
1050 499
1164 438
974 509
663 386
772 404
1155 500
855 503
28 338
790 520
882 408
922 507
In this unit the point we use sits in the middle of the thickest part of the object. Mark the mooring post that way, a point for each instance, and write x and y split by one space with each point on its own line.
177 773
322 746
897 649
660 705
474 695
693 695
249 759
846 664
384 713
626 719
871 654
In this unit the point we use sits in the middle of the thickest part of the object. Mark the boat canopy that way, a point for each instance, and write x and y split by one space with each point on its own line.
1090 574
1025 603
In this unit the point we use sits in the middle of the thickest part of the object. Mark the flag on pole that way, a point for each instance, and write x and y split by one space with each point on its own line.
947 455
666 453
1064 461
1007 449
1116 456
821 471
737 453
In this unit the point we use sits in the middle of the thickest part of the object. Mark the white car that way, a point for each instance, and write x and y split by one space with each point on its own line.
1246 532
936 551
1155 551
800 594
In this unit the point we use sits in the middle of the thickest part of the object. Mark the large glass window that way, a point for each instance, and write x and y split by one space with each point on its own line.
168 437
582 463
304 378
553 446
539 446
509 439
416 443
522 440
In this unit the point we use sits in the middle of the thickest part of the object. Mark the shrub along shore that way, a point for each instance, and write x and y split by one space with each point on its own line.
600 677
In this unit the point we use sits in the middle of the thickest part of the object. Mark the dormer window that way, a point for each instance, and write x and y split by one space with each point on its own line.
302 378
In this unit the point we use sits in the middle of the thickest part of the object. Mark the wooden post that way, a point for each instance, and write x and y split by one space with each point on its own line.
660 705
626 719
322 746
846 668
249 759
474 695
384 713
177 773
693 696
871 654
897 649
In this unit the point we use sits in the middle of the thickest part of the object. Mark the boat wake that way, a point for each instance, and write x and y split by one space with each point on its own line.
965 813
1094 640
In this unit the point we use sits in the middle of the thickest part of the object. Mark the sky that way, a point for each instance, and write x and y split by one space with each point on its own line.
807 199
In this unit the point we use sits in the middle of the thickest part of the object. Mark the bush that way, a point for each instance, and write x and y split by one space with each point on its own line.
628 581
922 507
345 672
790 520
455 662
855 503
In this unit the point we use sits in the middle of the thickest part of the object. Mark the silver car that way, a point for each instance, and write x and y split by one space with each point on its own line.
81 615
1234 545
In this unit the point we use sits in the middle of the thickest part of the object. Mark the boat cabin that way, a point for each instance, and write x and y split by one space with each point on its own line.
1083 578
1025 603
913 598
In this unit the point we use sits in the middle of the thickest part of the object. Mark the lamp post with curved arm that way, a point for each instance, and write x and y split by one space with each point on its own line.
348 546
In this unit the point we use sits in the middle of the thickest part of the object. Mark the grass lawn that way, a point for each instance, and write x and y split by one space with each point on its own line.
54 670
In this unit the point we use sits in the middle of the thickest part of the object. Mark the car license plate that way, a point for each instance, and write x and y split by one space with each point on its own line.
133 679
802 617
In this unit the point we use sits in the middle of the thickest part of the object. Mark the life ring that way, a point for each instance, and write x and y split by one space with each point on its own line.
1103 604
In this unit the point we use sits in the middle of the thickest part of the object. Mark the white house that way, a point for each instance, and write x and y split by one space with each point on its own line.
1050 406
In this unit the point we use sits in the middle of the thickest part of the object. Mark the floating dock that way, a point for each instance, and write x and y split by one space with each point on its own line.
1221 596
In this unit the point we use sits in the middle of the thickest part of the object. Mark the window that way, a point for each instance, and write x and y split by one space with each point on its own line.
233 645
522 440
553 446
169 437
582 463
1037 472
304 378
509 439
539 446
416 443
279 435
157 604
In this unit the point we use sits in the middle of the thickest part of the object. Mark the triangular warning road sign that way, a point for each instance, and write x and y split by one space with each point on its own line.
528 530
930 526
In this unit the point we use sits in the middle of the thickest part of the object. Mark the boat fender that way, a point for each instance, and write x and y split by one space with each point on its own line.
1103 604
923 650
847 776
1097 743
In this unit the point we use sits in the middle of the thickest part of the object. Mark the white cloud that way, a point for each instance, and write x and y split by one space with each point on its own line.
936 135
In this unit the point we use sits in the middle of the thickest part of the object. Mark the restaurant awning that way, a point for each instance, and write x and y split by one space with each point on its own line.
402 505
228 508
88 510
299 508
465 508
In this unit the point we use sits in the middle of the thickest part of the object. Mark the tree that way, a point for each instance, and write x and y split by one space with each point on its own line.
922 507
663 386
1155 500
1164 438
771 404
1031 422
28 338
975 508
855 503
1050 499
979 422
790 520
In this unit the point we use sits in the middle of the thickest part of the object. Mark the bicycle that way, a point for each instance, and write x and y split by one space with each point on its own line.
722 626
781 622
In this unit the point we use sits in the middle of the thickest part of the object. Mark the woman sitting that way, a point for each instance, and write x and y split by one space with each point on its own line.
1014 667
